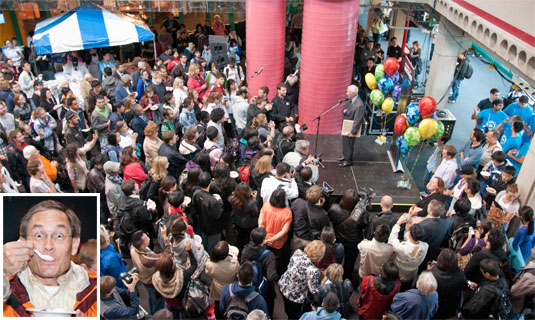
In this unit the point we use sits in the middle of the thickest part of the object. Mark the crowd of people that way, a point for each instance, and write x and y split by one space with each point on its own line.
209 189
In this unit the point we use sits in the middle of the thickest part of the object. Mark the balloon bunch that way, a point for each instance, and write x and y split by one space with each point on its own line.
417 124
386 90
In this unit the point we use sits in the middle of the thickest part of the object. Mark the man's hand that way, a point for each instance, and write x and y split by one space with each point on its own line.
132 286
79 313
292 173
310 159
17 254
271 124
54 163
288 119
403 219
512 152
163 229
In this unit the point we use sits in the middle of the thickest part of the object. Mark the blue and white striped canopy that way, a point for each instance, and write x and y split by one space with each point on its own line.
87 26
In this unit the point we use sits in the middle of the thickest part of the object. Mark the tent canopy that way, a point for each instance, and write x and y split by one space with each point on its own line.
87 26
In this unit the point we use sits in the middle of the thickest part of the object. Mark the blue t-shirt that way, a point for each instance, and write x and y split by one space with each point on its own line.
514 110
523 151
491 119
512 143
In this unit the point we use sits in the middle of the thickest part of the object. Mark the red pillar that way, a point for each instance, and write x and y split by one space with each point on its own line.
265 23
328 48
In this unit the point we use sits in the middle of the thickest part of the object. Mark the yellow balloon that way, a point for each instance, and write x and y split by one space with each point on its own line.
428 128
388 105
371 82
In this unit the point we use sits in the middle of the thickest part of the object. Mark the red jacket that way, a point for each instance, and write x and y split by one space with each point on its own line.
180 215
196 84
371 304
135 171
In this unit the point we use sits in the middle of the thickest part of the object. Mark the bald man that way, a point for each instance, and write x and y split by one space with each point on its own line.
353 110
386 216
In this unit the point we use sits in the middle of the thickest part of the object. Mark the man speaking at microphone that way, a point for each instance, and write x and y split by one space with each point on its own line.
353 110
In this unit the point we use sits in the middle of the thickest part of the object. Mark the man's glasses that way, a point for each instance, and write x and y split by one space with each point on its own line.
56 236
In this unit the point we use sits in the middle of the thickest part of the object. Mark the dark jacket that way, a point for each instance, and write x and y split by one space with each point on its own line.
450 287
74 135
159 90
132 216
348 233
343 290
282 108
252 112
209 212
17 163
177 162
354 111
303 187
435 231
269 269
425 202
248 217
471 270
481 304
138 125
308 229
383 217
241 292
115 307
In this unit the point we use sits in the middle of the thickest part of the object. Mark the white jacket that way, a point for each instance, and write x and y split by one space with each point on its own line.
407 255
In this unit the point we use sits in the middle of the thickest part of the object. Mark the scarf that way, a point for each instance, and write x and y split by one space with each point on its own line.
115 179
171 288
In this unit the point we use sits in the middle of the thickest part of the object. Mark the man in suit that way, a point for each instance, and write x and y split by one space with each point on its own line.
181 69
139 122
436 230
354 110
123 89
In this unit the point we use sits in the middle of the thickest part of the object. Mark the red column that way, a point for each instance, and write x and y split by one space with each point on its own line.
265 23
328 47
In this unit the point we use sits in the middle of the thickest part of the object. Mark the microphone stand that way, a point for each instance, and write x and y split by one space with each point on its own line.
318 118
256 73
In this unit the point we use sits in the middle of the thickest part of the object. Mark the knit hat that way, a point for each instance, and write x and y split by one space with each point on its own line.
70 115
28 152
111 166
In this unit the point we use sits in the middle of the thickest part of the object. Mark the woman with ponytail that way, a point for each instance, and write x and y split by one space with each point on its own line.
524 237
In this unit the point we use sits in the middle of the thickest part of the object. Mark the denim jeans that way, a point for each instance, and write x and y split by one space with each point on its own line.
156 301
210 241
455 89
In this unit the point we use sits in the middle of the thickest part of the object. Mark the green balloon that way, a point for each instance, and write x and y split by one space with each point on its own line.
440 131
379 72
412 136
377 97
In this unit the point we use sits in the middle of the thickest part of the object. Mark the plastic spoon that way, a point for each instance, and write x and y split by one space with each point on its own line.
43 256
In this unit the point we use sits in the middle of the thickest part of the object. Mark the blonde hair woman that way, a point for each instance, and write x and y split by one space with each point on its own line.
301 277
180 91
151 144
334 282
159 168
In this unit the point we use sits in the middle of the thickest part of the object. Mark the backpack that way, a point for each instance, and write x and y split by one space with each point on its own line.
468 71
458 237
245 174
144 188
502 305
260 282
160 125
238 308
202 135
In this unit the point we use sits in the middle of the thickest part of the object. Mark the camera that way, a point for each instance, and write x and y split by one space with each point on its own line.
304 127
326 189
127 276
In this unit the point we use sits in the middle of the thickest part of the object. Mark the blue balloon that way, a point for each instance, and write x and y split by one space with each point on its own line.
403 146
396 92
413 113
395 77
385 85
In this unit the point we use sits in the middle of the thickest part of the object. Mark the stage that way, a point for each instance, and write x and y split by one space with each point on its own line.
371 169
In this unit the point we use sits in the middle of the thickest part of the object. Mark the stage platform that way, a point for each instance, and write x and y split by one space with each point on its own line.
371 169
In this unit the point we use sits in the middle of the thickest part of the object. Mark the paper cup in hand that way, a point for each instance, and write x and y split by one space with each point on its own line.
218 197
151 205
485 174
169 88
187 201
491 190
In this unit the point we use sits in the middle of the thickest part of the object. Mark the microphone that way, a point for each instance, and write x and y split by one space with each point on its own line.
343 100
259 71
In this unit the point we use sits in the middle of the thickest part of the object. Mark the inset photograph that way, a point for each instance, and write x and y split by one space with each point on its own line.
50 255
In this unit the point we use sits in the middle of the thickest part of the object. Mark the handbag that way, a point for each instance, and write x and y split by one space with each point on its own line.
197 298
462 261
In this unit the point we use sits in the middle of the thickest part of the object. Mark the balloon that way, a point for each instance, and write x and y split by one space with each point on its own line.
370 81
413 113
428 106
403 146
412 135
379 72
396 92
428 128
395 77
391 66
385 85
440 131
377 97
400 125
388 105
